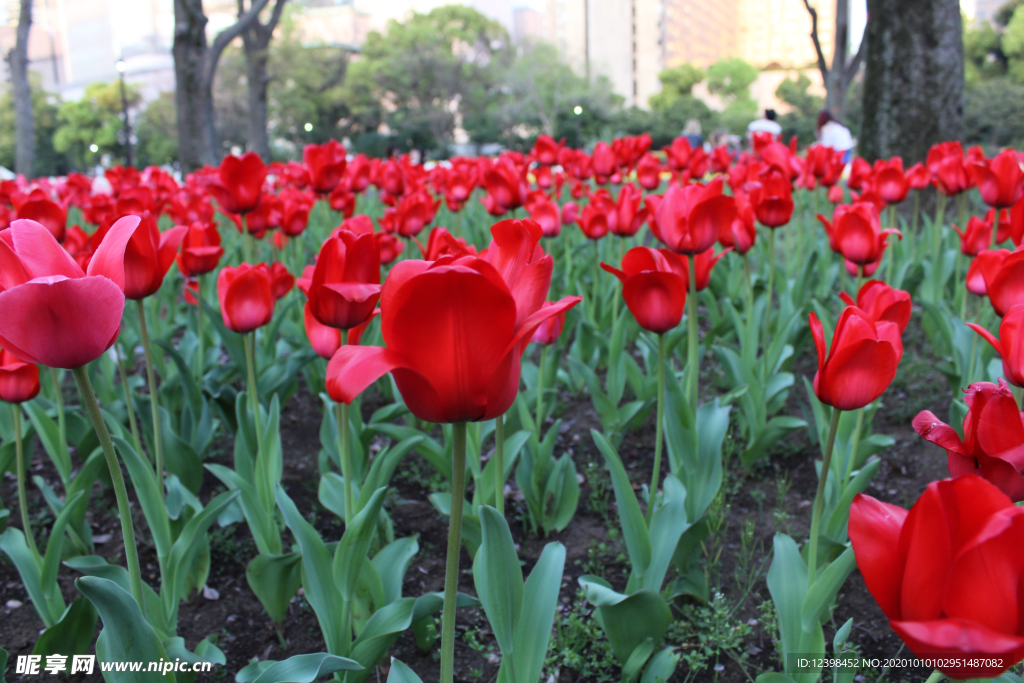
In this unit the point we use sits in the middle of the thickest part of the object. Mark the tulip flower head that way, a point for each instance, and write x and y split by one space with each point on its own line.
689 220
238 186
1009 345
246 297
345 283
882 303
654 284
1003 273
19 381
861 362
55 313
455 329
550 330
1000 179
772 198
200 249
325 164
947 573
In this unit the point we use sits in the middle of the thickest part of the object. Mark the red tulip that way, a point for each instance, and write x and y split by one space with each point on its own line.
947 574
327 340
295 207
545 150
678 153
594 221
147 257
345 284
546 213
1003 272
239 183
46 212
506 187
357 175
266 216
359 225
648 172
550 330
392 178
772 198
857 233
978 235
835 194
630 213
455 329
999 180
946 164
54 313
412 213
570 213
342 200
861 363
19 381
891 183
690 219
1009 345
721 158
975 280
918 176
200 249
741 233
443 243
880 302
654 285
326 165
390 247
281 281
246 297
604 161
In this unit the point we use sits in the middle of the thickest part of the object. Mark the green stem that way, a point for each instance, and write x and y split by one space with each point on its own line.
618 286
892 252
692 324
499 464
819 497
567 257
341 417
154 403
854 446
597 282
131 551
247 240
22 496
940 209
917 212
970 363
264 488
540 398
136 441
62 429
995 229
200 360
935 677
655 477
768 301
451 570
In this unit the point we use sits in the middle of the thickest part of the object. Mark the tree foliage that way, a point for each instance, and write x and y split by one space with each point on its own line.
48 161
95 119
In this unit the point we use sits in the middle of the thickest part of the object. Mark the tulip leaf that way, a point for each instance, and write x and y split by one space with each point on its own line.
261 524
274 579
126 635
498 577
391 563
355 543
297 669
72 634
151 498
400 673
317 575
633 667
668 523
634 528
49 435
824 589
533 632
627 620
661 666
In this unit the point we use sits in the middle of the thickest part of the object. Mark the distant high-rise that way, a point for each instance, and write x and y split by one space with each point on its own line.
776 33
527 22
985 10
698 32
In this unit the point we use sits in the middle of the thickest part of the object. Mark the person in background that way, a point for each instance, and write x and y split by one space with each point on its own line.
768 124
833 134
692 132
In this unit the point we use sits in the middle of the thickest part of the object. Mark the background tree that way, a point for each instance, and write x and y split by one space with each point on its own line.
676 83
17 64
1012 45
195 63
801 121
48 161
731 79
838 77
155 131
413 78
914 77
96 119
256 41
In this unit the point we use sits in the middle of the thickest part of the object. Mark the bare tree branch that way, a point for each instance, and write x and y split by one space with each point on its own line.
822 66
854 65
225 37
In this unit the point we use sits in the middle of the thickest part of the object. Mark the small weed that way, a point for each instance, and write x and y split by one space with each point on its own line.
580 645
704 633
781 511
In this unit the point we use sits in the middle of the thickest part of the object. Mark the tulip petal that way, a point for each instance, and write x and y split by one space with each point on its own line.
62 323
353 368
169 242
324 340
108 260
956 636
656 299
875 531
39 253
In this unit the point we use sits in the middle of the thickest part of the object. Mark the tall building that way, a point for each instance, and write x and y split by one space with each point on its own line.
985 10
699 32
776 33
527 23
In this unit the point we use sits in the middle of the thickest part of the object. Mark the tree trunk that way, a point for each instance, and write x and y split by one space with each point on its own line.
192 94
195 64
838 73
256 40
24 124
914 81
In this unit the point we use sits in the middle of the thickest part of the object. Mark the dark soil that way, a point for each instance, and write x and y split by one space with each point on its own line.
244 631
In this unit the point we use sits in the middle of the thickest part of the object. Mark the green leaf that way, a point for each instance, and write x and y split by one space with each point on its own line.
787 583
634 528
400 673
667 525
49 435
498 578
661 666
183 551
823 592
297 669
151 497
126 635
73 634
634 665
354 545
261 524
318 578
627 620
3 665
391 563
540 598
274 579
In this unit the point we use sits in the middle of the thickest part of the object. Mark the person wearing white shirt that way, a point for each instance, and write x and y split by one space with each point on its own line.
768 124
833 134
